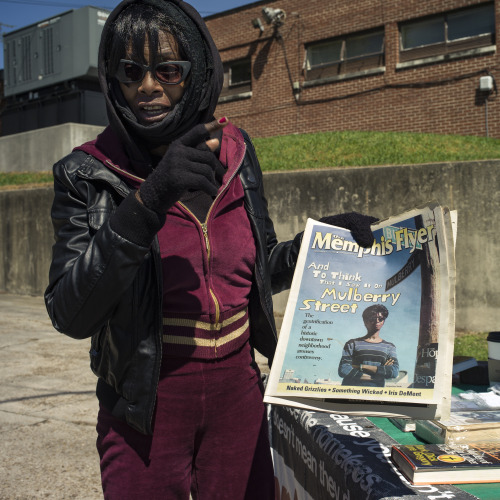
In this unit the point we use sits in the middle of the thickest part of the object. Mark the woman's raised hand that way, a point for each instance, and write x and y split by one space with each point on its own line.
188 165
357 223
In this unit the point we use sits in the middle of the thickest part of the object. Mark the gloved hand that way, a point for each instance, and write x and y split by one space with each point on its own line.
357 223
188 164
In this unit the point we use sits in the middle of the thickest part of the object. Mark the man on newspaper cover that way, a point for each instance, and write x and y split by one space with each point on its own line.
370 360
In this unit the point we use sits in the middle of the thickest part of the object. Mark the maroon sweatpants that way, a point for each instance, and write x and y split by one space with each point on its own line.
210 437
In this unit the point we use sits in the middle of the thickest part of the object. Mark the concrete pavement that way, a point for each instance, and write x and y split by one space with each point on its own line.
48 408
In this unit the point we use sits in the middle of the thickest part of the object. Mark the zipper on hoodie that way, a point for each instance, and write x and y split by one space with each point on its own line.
204 228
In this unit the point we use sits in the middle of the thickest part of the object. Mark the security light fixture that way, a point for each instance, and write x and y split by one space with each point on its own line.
274 16
257 23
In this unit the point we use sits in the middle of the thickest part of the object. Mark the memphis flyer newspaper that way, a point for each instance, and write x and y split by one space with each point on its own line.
369 331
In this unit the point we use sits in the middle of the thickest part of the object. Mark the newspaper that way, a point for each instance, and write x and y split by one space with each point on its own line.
369 331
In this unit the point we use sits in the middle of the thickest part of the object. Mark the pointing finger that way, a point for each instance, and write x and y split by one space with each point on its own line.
201 132
216 125
212 127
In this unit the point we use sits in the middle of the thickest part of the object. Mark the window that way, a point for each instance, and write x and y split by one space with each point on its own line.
324 54
350 55
237 80
239 73
450 32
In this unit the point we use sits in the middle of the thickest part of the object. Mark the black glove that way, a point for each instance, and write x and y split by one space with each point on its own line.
188 164
358 224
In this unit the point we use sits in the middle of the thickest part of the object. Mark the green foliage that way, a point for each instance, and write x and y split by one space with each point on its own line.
338 149
472 344
24 178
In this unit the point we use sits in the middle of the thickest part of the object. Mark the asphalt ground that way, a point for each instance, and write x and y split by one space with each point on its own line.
48 408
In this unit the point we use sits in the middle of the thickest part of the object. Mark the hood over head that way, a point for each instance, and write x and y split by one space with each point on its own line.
201 94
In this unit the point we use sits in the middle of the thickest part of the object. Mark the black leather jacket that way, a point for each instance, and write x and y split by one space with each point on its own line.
104 286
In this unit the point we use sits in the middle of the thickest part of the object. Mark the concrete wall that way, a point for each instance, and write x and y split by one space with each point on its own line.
38 150
472 188
26 238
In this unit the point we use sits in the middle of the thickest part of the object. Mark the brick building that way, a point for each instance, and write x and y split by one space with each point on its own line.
386 65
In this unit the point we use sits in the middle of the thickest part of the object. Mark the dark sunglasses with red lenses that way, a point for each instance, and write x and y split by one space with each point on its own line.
168 73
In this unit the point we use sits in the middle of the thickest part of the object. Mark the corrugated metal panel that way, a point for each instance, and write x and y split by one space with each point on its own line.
55 50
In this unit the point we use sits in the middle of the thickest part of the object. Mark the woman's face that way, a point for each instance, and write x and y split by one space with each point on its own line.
149 100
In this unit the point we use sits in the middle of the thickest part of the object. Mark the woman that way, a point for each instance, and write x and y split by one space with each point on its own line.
369 360
166 257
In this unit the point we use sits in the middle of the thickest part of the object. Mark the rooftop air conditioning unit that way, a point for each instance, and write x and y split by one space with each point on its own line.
55 50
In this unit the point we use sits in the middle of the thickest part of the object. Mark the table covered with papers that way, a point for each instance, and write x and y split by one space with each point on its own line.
321 456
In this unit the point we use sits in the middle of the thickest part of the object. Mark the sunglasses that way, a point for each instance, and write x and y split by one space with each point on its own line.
375 317
168 73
